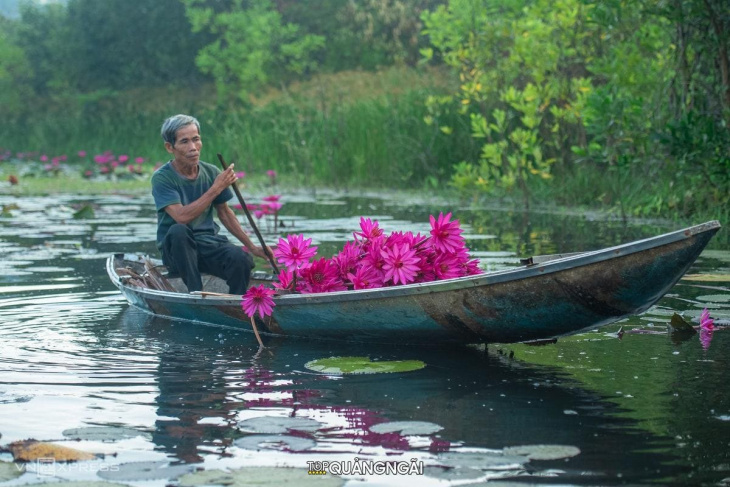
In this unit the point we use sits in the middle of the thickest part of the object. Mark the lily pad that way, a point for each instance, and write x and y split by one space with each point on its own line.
481 460
406 428
80 483
715 298
259 476
452 473
362 365
707 277
275 442
543 452
103 433
133 471
10 471
277 425
32 450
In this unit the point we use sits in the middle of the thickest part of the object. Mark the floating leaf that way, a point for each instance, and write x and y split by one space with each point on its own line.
103 433
84 213
275 442
250 476
32 450
362 365
80 483
707 277
145 471
276 425
406 428
543 452
679 324
715 298
452 473
481 460
10 471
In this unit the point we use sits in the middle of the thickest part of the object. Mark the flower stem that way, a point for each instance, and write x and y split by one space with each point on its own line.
256 332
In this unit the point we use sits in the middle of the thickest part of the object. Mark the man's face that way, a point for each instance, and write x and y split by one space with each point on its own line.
187 145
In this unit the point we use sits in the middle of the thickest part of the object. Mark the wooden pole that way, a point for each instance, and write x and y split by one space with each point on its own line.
250 218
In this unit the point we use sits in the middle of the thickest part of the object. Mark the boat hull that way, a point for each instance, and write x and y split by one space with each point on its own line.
546 300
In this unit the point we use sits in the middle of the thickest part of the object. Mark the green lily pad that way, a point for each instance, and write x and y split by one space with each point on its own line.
103 433
707 277
543 452
406 428
80 483
250 476
133 471
715 298
481 460
275 442
452 473
10 471
277 425
362 365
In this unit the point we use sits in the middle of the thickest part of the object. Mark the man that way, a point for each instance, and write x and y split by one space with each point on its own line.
186 190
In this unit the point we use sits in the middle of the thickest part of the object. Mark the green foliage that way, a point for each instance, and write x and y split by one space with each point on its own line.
522 71
15 74
252 47
634 90
40 32
115 44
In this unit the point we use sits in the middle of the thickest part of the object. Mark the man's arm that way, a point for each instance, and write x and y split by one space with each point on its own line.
229 220
186 214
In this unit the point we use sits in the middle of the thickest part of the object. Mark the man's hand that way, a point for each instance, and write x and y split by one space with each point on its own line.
264 253
225 179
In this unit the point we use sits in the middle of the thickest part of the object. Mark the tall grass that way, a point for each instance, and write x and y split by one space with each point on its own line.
344 129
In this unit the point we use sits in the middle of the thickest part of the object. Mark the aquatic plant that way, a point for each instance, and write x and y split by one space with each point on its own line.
374 259
706 323
258 300
707 326
294 251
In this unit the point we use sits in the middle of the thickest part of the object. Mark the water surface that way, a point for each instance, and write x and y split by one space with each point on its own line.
593 409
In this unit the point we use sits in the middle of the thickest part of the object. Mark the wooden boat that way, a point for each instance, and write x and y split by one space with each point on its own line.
546 297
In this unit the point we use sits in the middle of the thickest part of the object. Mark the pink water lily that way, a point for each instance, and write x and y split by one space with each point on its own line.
707 327
370 229
374 259
706 323
446 234
321 276
294 251
447 266
365 278
286 279
400 264
258 299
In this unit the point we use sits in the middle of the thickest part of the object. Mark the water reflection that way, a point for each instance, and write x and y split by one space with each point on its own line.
209 380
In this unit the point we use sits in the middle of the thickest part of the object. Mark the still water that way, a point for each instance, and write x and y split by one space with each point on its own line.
162 402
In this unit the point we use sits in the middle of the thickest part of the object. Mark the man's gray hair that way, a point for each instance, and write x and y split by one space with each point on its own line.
175 123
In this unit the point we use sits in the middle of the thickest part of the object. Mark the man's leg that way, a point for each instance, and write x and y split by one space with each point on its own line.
180 255
229 262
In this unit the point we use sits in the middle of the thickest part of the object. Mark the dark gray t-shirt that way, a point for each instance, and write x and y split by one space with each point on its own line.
169 187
